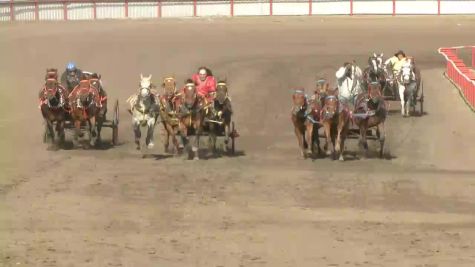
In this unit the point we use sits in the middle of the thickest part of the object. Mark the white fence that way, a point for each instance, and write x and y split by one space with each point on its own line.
31 10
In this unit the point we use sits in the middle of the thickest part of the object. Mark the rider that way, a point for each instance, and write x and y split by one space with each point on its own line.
205 83
396 62
347 96
70 70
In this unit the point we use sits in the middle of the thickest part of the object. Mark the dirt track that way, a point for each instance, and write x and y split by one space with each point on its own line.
265 207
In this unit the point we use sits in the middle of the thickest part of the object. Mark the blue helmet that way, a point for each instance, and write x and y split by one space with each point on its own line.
71 66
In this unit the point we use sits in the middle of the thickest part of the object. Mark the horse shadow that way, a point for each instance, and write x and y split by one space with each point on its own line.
358 155
83 144
206 154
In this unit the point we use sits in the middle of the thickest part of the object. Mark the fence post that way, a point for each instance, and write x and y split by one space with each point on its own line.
351 7
438 7
232 8
37 12
270 8
473 56
12 11
310 2
94 9
126 6
159 8
65 10
394 7
194 8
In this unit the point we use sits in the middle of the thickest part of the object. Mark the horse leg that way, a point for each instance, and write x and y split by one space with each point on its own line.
49 131
212 138
166 144
100 121
382 138
343 135
61 134
401 96
309 137
316 138
338 139
363 142
328 137
150 129
137 133
196 143
92 131
299 135
77 132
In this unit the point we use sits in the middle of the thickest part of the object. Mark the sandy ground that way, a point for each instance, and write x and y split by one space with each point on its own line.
264 207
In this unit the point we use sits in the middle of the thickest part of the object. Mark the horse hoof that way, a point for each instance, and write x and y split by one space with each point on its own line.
196 158
150 145
341 158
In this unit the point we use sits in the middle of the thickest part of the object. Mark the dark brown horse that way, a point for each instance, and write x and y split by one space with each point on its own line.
191 117
335 117
85 105
169 103
305 117
53 106
220 116
371 111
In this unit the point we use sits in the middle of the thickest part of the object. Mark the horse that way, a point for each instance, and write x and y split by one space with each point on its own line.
191 116
169 102
335 117
144 110
85 105
305 118
349 81
95 80
53 106
409 81
375 71
371 111
220 116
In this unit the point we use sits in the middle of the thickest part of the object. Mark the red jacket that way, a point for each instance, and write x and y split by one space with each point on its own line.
204 87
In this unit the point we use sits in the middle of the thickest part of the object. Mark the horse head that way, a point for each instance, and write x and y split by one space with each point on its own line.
190 95
375 63
331 104
95 80
51 73
169 86
145 86
221 91
406 74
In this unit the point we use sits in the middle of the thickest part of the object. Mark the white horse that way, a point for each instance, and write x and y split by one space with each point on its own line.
144 110
408 84
349 79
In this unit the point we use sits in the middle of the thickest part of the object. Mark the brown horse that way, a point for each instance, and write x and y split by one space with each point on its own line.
305 118
53 106
169 102
371 111
335 117
191 117
95 80
85 106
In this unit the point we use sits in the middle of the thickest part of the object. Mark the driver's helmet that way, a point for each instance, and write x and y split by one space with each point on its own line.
71 67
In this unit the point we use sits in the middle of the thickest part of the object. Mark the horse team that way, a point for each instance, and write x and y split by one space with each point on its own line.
183 113
359 100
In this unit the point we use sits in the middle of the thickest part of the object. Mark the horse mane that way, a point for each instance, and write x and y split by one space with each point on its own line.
187 81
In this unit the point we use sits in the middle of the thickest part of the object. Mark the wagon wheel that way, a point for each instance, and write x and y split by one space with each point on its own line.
115 124
421 99
233 137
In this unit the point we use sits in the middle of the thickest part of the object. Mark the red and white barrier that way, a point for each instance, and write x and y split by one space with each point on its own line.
30 10
459 73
